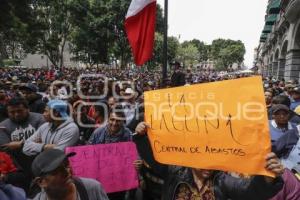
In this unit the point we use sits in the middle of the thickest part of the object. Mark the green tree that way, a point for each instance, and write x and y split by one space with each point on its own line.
188 54
173 45
120 48
50 30
99 32
159 19
227 52
92 32
202 48
14 17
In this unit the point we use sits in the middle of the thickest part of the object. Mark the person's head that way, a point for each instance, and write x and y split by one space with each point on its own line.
29 91
79 109
2 95
281 99
296 93
52 172
203 174
149 86
268 97
129 95
111 102
177 66
100 111
289 88
280 113
17 110
116 120
56 110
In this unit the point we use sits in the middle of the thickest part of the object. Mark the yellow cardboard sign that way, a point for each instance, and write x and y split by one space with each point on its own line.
220 125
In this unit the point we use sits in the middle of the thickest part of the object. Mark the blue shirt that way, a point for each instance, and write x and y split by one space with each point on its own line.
102 136
276 132
294 105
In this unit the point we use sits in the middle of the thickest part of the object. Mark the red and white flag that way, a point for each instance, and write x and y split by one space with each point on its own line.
140 28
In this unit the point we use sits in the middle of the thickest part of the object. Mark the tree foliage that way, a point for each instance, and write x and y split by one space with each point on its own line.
14 17
94 32
173 45
51 29
227 52
188 54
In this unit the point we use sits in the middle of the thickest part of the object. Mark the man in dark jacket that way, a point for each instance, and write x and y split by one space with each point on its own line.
35 100
178 77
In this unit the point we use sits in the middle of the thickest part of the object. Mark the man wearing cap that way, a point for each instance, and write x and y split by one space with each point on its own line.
34 99
59 132
53 175
285 100
178 77
280 124
129 105
288 90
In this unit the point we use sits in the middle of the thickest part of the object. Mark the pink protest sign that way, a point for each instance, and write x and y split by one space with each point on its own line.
110 164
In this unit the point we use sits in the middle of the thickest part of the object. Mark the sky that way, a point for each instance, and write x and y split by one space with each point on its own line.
207 20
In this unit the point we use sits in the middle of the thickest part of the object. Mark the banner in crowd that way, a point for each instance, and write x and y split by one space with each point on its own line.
110 164
220 125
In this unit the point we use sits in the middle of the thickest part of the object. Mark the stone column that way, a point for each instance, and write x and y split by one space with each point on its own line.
269 70
275 69
292 65
281 68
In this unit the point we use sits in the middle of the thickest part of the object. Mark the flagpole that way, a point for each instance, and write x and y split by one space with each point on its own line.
165 47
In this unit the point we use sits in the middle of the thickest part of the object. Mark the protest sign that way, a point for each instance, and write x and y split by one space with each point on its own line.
221 125
110 164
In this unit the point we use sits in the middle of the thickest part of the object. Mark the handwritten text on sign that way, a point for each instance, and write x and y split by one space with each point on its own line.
220 125
110 164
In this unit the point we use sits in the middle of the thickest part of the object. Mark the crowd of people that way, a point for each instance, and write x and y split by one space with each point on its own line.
44 111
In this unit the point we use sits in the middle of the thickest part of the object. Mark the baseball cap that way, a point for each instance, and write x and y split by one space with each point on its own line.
279 107
290 86
48 161
29 86
296 90
59 106
129 91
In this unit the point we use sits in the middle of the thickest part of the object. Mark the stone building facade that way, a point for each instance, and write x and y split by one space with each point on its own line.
42 61
278 53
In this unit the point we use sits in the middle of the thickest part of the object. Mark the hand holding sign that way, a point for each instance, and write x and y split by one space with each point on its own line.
110 164
220 125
